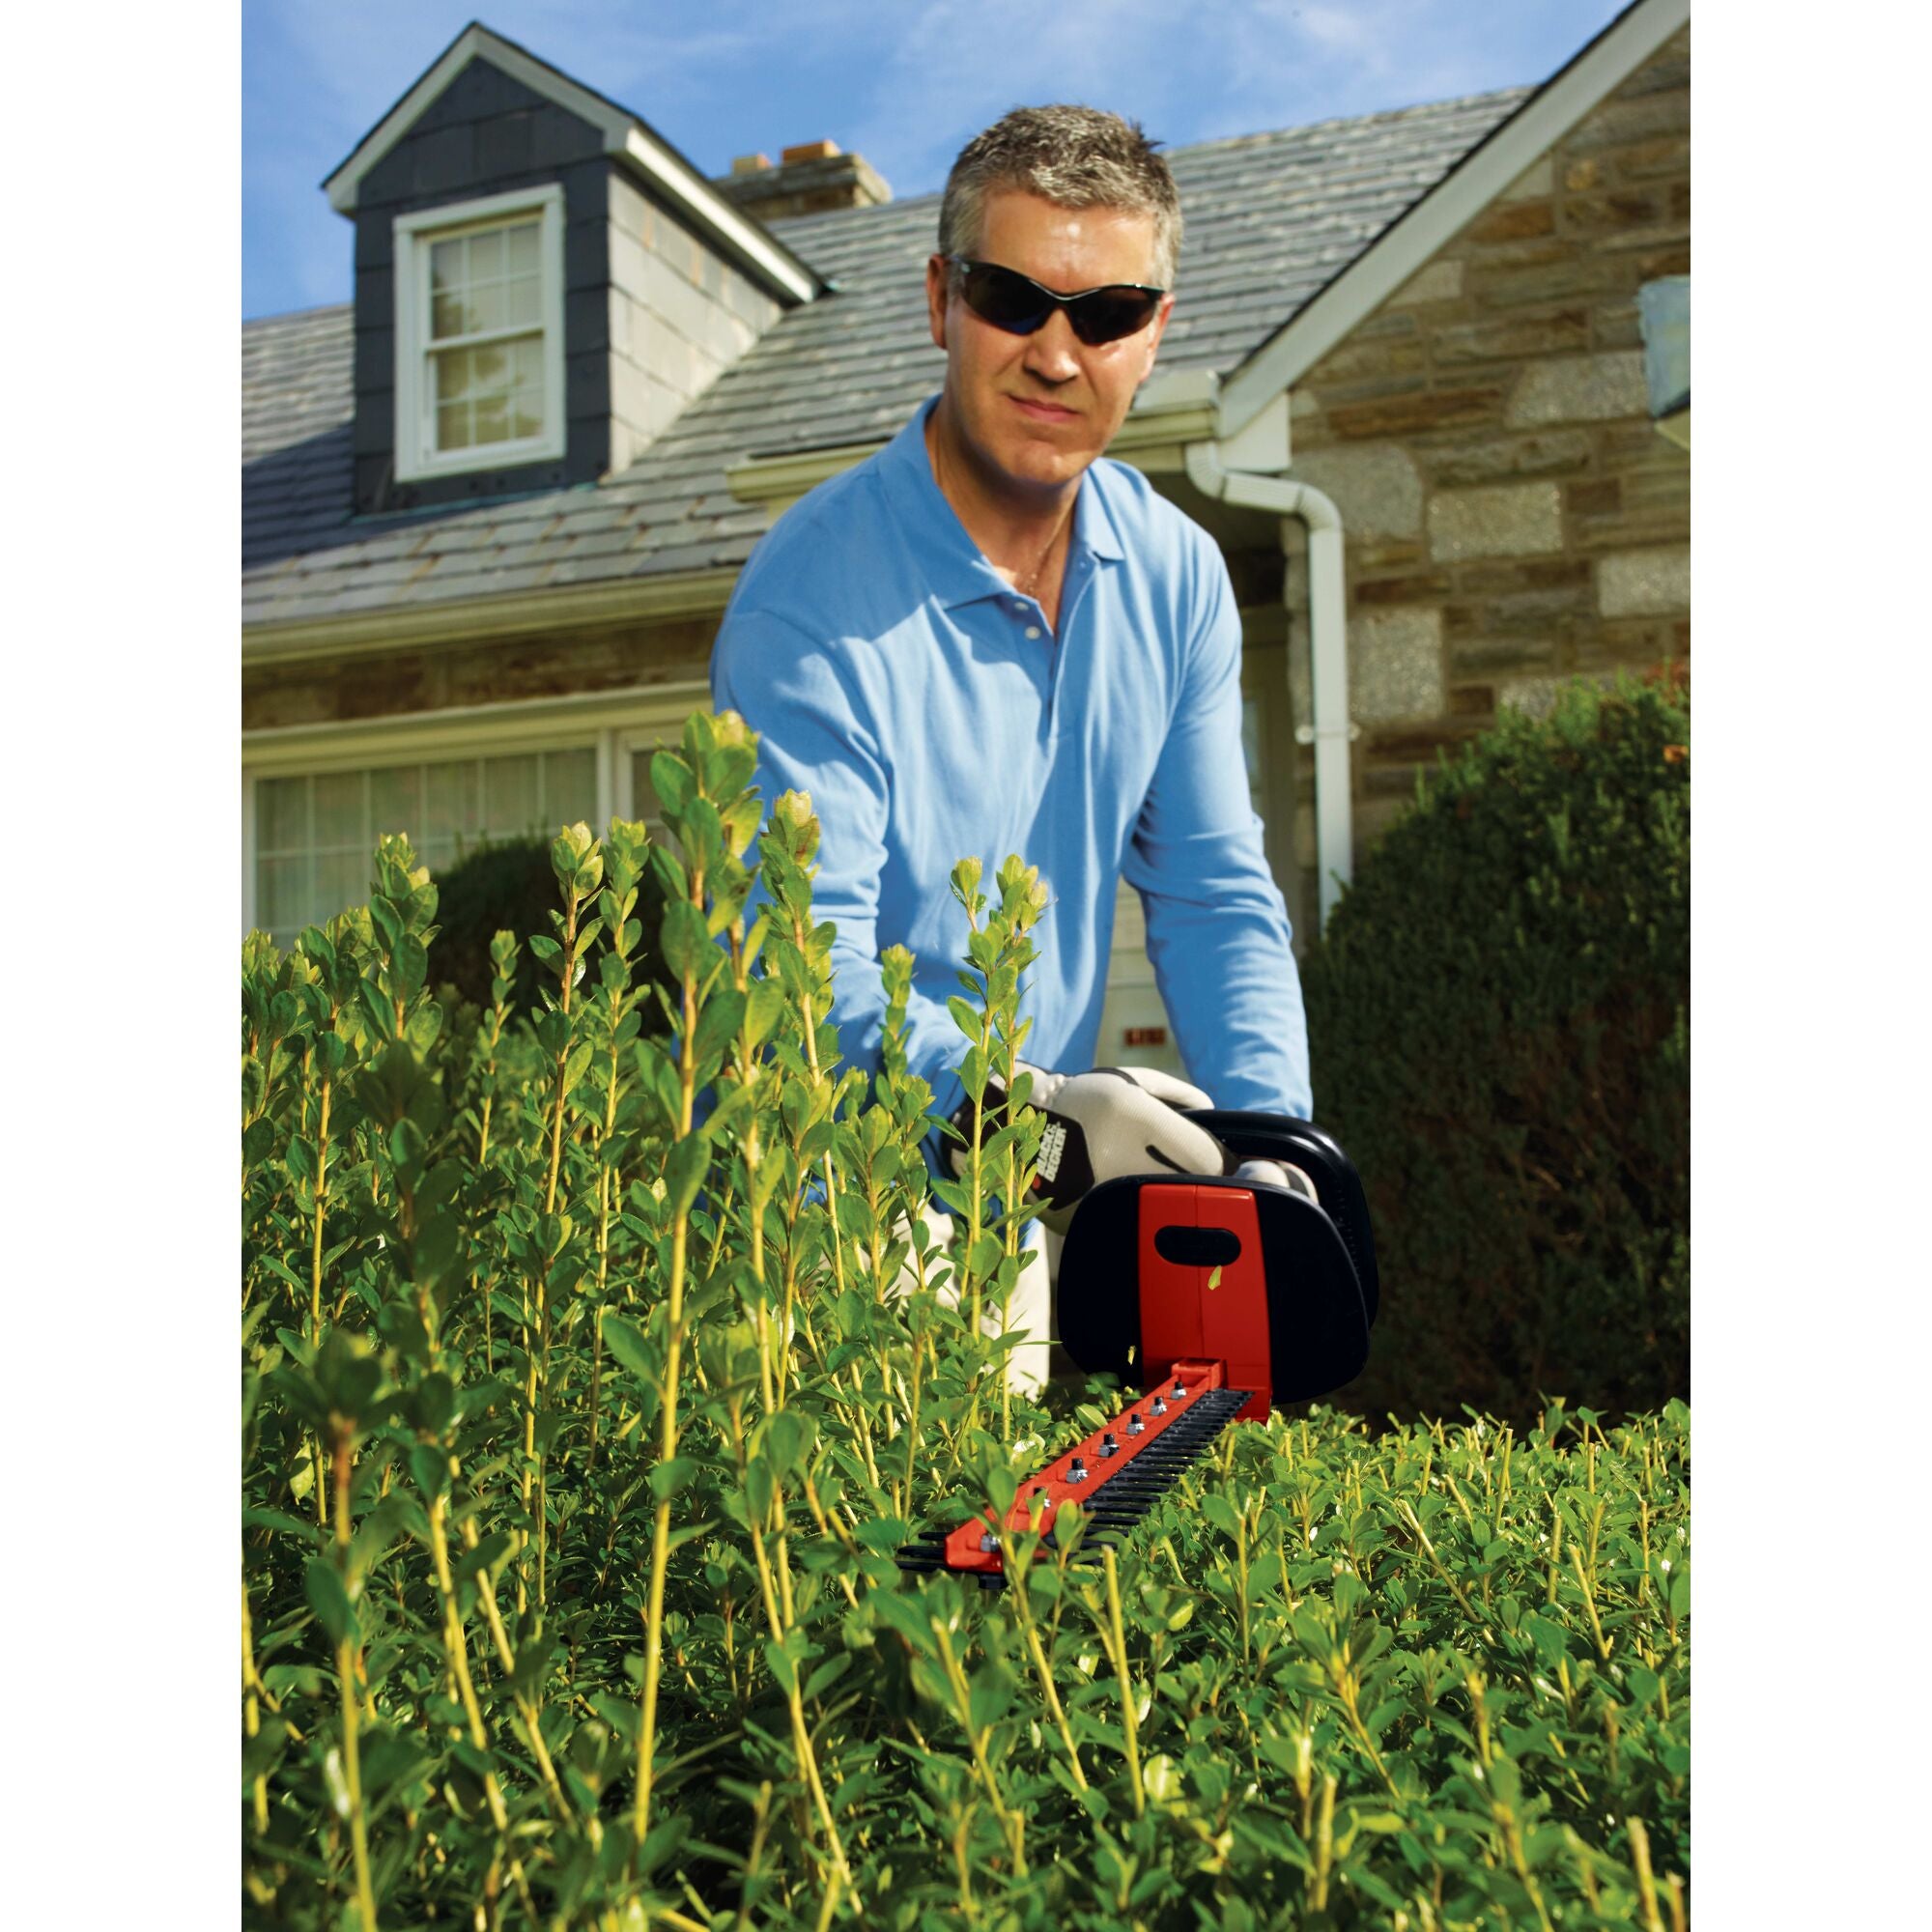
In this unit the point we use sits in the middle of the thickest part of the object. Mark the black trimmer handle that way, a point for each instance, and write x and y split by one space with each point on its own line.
1319 1155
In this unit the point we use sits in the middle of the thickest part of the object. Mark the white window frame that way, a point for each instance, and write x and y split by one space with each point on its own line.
417 458
614 721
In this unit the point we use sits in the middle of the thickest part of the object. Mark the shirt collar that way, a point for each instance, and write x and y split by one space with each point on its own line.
958 570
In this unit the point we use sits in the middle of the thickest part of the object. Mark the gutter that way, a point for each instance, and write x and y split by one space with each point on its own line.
1283 497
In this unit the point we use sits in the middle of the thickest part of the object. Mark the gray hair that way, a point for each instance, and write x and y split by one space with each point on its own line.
1074 157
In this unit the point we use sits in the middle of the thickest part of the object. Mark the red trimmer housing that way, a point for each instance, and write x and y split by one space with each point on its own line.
1214 1300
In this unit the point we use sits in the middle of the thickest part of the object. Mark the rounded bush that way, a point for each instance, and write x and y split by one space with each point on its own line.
1498 1024
509 885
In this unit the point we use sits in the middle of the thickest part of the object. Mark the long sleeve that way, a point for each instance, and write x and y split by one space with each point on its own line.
1217 927
815 735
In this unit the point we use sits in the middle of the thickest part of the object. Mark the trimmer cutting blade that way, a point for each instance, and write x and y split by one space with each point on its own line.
1215 1297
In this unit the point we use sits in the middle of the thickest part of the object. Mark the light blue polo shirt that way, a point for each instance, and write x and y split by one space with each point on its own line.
933 715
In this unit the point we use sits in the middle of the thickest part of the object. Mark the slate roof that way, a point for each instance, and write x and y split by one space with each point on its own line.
1270 220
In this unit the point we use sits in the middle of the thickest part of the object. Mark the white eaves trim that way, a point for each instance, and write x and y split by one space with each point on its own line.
471 728
623 137
1404 248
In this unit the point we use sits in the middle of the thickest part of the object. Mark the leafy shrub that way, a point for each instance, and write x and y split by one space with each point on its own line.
507 885
1498 1019
578 1431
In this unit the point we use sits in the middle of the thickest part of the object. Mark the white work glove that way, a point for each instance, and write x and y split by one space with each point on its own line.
1111 1121
1277 1173
1026 1313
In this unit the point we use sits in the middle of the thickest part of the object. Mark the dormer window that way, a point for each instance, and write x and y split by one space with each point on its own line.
480 334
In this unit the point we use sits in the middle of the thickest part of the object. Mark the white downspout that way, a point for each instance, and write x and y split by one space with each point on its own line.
1284 496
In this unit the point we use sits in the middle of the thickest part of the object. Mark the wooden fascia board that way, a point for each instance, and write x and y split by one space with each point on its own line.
488 619
1409 243
623 136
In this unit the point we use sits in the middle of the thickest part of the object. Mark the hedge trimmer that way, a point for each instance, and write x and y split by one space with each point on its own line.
1212 1298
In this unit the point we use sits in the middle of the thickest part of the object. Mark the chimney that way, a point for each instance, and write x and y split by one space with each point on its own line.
809 178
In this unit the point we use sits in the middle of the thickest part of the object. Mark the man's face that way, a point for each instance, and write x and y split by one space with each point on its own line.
1034 410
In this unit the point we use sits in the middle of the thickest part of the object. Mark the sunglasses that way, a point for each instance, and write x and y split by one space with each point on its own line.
1019 305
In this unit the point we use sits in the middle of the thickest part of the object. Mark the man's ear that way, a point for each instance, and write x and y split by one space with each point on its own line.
936 294
1155 330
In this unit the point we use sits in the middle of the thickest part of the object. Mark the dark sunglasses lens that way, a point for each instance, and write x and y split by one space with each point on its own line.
1009 302
1108 314
1003 299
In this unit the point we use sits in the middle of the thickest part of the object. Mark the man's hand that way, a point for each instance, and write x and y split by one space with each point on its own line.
1100 1125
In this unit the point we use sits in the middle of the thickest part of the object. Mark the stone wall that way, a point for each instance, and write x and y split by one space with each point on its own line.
1514 518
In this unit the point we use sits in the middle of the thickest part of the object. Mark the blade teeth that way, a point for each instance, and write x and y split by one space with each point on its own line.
1120 1502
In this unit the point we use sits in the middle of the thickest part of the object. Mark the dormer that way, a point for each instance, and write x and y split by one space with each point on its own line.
542 282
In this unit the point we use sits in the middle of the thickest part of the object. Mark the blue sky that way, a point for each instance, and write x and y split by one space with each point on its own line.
905 85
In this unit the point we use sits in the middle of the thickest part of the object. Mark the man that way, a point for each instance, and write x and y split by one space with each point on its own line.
988 638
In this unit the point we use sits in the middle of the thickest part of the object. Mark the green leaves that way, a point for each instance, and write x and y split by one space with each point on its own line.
329 1599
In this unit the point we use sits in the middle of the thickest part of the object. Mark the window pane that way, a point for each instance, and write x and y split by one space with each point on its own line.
281 894
395 800
445 282
570 788
520 301
453 371
493 419
522 245
525 416
338 811
452 813
510 796
643 794
486 257
281 814
526 361
452 426
489 368
341 881
486 307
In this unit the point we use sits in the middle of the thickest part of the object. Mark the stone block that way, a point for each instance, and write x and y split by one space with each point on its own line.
1668 155
1374 485
1616 122
1616 324
1579 388
1441 281
1534 697
1510 339
674 299
1424 587
1644 582
1363 363
1419 413
628 259
1617 212
1536 179
1563 452
1512 520
1567 277
1395 666
1515 222
1493 658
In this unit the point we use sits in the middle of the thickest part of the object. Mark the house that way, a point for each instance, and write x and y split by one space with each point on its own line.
495 504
